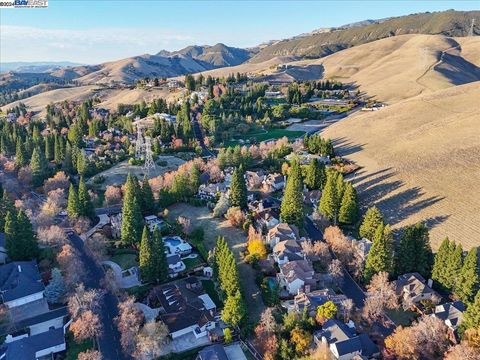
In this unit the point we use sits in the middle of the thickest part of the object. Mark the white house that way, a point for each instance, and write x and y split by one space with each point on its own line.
287 250
153 221
210 191
175 265
295 275
176 245
281 232
273 182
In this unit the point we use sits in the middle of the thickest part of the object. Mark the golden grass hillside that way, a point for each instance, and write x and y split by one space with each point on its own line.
421 161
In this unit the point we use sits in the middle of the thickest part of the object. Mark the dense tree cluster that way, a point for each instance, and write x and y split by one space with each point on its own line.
20 240
292 210
152 258
315 144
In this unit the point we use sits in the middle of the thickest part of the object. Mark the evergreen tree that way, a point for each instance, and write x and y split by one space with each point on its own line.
160 264
39 165
414 253
131 213
447 264
329 200
59 151
20 239
291 209
238 189
20 156
471 317
234 310
81 163
348 208
146 258
6 205
373 217
68 164
315 176
10 229
73 206
380 256
148 200
468 282
55 290
49 148
85 206
195 178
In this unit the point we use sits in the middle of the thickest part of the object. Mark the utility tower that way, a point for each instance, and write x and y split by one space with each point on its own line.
139 145
470 32
149 163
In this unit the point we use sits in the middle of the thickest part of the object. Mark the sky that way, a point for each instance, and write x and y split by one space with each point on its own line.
95 31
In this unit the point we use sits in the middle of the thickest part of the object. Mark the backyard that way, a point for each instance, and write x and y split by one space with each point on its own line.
213 228
263 135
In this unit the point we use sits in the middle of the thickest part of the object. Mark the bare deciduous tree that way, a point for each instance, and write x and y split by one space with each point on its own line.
52 235
335 270
339 244
89 355
113 195
71 265
462 351
83 300
381 295
58 181
86 326
128 322
186 225
149 342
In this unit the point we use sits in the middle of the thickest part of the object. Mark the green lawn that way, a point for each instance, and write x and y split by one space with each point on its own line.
73 348
126 261
191 263
262 135
209 287
401 317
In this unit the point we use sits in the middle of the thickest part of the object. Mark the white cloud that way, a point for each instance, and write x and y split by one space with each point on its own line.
23 43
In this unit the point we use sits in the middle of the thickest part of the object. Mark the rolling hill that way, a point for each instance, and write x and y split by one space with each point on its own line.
420 161
450 23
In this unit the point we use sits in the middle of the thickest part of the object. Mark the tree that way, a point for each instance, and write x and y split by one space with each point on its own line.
234 310
149 342
148 200
129 321
21 242
238 189
86 326
83 300
20 156
380 256
329 201
223 204
373 217
326 311
90 355
471 317
85 206
462 351
39 166
301 339
447 264
291 209
56 289
381 295
315 176
73 206
131 214
256 246
146 258
414 253
468 282
348 207
160 266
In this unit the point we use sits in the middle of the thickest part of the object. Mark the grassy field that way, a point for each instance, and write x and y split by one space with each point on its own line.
263 135
126 261
401 317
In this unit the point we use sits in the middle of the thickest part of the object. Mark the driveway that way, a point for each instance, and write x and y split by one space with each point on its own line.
124 278
236 239
235 352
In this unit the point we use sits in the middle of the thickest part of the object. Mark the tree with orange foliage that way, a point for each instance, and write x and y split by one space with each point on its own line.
85 327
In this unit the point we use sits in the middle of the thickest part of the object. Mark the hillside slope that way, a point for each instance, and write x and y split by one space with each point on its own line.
449 23
421 161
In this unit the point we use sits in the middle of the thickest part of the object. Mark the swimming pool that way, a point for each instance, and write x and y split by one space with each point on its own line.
172 241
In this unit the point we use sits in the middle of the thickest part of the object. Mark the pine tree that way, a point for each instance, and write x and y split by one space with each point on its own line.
6 205
68 164
160 264
38 163
81 163
414 252
234 310
471 317
340 184
48 148
146 263
131 213
440 264
380 256
453 265
20 157
73 206
329 200
10 228
291 209
195 178
56 289
20 239
85 206
315 176
373 217
468 282
148 201
238 189
348 208
29 239
59 151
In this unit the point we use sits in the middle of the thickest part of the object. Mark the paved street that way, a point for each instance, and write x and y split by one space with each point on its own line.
109 341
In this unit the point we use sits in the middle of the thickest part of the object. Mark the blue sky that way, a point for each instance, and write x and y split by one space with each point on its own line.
98 31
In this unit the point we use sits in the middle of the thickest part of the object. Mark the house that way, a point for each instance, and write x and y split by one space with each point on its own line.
175 265
43 322
167 117
282 232
254 179
273 182
267 219
310 300
361 247
176 245
412 289
212 352
452 314
287 250
343 341
34 347
185 311
210 191
305 157
258 206
295 275
312 197
20 283
3 249
153 221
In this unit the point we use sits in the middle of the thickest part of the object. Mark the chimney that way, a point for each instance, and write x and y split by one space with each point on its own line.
430 283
